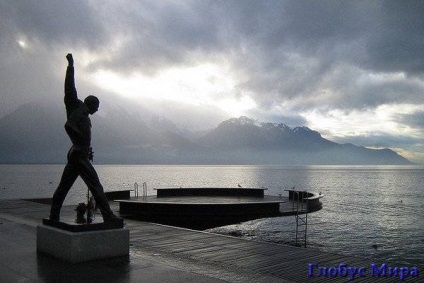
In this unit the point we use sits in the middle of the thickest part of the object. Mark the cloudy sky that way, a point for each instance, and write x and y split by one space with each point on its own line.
352 70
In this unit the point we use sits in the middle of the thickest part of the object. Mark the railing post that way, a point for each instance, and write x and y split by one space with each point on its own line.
136 189
144 190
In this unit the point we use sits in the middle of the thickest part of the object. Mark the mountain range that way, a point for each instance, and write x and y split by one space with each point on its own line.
34 133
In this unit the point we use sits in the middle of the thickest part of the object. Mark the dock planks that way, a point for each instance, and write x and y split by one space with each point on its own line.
224 253
282 261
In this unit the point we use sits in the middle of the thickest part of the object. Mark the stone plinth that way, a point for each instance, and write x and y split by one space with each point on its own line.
77 247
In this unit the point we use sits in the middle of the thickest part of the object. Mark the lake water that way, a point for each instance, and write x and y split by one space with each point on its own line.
363 206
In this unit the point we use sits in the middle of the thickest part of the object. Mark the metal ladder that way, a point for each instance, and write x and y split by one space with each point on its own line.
136 194
300 209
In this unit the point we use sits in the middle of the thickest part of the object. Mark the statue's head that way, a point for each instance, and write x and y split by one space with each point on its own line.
92 103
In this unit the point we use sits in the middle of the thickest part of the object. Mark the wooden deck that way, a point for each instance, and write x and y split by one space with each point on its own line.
250 257
215 255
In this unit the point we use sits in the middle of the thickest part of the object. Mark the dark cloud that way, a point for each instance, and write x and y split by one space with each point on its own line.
310 46
71 23
414 120
158 34
352 88
396 43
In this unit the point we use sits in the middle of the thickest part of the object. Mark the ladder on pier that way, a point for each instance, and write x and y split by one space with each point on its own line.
300 209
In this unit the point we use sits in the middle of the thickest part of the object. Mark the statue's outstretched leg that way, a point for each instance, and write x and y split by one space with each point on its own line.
70 174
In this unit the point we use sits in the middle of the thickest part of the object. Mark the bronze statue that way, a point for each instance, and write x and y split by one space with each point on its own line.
78 128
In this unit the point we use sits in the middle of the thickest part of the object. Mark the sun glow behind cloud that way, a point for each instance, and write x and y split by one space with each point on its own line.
22 44
203 84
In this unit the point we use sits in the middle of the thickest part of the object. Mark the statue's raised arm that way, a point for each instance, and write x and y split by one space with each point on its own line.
71 97
70 59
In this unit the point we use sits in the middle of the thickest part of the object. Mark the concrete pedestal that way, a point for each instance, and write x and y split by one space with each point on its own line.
76 247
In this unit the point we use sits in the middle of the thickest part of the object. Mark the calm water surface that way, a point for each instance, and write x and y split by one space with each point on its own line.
363 205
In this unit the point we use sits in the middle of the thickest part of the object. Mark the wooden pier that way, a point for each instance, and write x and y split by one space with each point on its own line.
168 254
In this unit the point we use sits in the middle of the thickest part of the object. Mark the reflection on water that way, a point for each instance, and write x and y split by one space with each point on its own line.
369 211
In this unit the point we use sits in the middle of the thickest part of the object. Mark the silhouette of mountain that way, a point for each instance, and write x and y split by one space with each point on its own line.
247 133
34 133
249 141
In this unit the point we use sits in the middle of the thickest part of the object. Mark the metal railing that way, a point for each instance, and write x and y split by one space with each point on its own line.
144 190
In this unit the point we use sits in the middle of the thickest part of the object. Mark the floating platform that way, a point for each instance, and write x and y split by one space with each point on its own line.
204 208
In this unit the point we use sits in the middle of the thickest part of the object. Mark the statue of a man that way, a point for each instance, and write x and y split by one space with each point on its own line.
78 128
